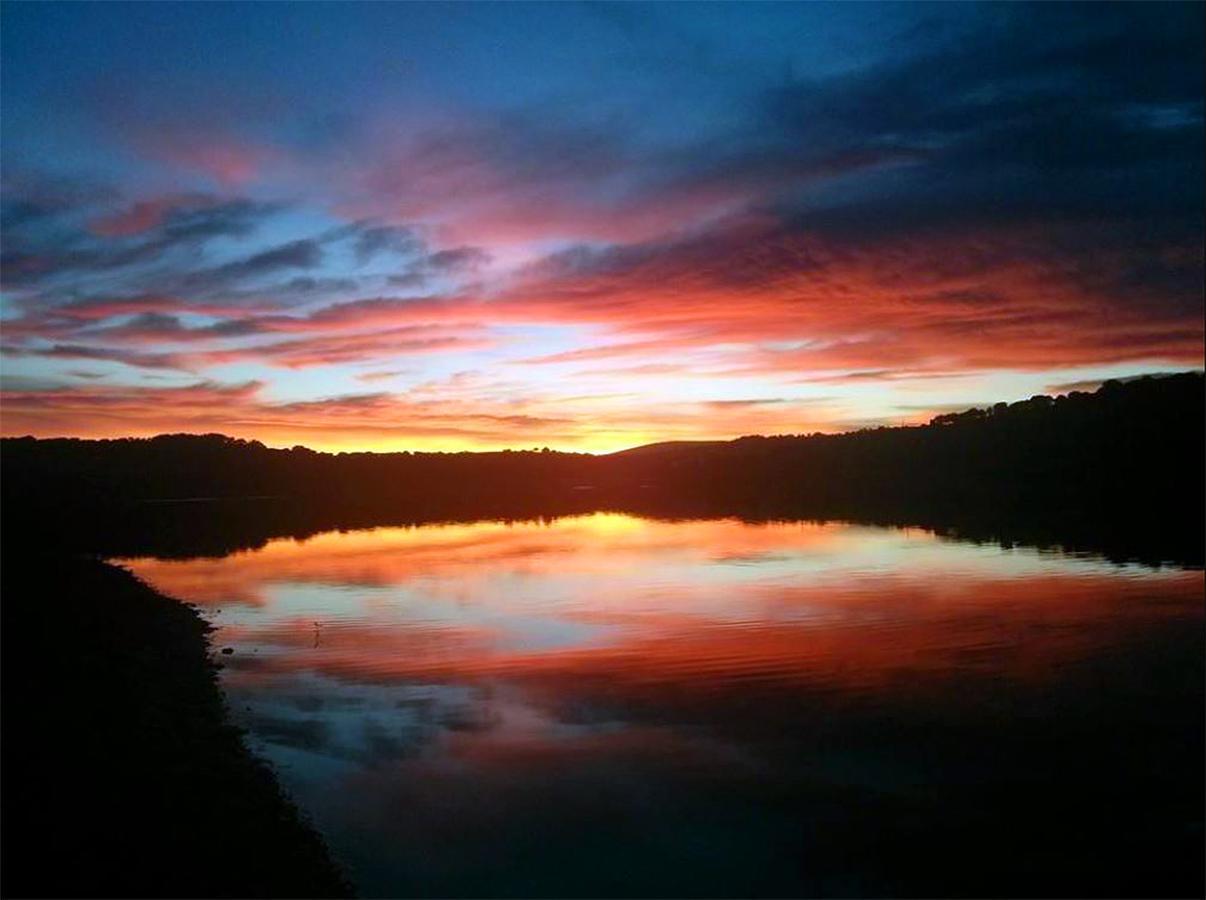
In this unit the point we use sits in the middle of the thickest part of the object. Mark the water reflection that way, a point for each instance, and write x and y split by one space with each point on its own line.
609 705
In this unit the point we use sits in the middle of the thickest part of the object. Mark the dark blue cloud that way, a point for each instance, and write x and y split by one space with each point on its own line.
1038 112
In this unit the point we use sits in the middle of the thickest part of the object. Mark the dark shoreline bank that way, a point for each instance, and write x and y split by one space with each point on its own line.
122 773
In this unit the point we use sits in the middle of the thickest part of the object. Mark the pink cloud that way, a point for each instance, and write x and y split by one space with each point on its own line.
143 216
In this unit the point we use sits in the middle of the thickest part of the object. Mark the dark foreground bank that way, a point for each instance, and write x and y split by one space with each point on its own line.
121 773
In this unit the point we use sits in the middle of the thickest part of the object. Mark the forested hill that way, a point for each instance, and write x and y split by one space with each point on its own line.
1129 450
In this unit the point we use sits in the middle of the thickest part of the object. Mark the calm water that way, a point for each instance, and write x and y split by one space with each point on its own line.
609 705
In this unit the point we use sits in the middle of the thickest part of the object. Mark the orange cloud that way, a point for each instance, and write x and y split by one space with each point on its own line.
750 302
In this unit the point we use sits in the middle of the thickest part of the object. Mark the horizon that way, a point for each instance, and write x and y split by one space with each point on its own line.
588 227
536 449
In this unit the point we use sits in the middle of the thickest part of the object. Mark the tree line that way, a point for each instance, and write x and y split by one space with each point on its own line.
1127 455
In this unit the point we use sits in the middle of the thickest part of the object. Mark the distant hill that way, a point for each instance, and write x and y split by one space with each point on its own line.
667 447
1129 454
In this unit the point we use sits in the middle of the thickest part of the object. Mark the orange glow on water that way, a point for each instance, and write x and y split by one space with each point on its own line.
636 600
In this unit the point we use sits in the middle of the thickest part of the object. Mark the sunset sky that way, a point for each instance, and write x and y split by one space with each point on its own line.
429 226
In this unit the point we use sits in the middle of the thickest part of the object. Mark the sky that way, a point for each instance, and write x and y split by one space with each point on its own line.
588 226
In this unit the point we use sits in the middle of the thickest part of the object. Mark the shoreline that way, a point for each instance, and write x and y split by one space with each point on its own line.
123 774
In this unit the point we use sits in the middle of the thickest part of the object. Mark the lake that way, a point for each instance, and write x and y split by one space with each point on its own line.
605 705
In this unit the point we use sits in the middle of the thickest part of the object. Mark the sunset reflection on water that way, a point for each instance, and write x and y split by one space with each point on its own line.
702 707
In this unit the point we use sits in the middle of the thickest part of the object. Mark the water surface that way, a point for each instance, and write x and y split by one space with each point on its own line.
611 705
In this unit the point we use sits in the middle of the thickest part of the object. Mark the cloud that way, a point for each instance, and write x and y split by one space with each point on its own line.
457 414
300 353
359 348
457 259
150 231
1035 114
381 376
144 215
300 254
763 296
383 239
723 404
107 354
1010 192
228 160
451 262
369 239
1000 297
29 197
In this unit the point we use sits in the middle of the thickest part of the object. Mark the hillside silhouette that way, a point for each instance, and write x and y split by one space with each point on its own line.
1118 470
